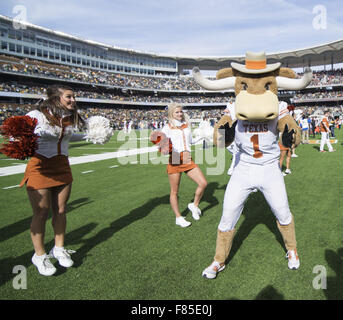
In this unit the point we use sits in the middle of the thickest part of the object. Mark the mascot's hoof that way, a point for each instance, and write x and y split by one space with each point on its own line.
293 259
211 271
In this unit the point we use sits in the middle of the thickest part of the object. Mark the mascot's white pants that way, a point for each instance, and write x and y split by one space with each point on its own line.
245 178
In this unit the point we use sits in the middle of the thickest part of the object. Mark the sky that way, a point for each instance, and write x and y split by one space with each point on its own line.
205 28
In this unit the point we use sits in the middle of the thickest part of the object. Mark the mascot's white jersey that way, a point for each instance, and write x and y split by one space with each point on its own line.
257 142
257 167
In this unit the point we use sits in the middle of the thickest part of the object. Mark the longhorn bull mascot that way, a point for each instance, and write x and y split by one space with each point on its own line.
255 124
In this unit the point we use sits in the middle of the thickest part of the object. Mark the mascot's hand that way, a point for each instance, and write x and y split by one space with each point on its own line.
228 133
224 132
288 137
292 138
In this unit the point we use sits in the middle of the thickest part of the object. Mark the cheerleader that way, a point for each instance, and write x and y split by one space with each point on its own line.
325 132
179 132
48 176
285 153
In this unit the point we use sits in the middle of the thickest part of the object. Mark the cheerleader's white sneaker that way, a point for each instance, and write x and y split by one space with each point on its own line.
293 259
182 222
196 212
211 271
43 264
63 256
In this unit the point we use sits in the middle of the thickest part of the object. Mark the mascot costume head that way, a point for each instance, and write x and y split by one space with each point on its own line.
256 86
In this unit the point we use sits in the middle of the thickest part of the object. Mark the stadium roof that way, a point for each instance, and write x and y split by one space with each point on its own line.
324 54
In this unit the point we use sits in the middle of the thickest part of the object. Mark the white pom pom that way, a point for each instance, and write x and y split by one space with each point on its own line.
204 132
98 130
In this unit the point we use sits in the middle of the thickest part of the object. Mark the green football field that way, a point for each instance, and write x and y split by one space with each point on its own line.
128 247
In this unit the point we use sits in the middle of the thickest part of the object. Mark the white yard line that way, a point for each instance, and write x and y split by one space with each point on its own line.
11 187
83 148
89 171
20 168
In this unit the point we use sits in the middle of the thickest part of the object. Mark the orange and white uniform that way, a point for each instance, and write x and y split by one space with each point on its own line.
324 125
257 168
180 136
325 139
49 167
53 140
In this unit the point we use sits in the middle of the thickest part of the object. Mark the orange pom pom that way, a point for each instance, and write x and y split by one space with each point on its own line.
20 139
161 140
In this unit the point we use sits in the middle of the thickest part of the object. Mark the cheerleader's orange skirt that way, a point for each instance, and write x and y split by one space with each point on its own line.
177 164
43 173
282 147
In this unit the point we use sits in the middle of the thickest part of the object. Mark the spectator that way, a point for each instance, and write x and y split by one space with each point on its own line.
325 133
304 125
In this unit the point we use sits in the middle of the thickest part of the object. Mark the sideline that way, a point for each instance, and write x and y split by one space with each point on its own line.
20 168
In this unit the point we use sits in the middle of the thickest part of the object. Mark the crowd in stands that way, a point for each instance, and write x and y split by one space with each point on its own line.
184 99
154 98
327 77
18 88
38 68
10 109
319 95
149 118
21 88
149 114
319 109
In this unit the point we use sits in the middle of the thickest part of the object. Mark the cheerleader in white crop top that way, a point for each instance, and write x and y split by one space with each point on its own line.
179 133
48 175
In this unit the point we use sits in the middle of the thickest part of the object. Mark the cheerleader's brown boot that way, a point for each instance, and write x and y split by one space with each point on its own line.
223 247
288 235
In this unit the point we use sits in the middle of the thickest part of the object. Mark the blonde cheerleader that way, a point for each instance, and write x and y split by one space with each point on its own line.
178 132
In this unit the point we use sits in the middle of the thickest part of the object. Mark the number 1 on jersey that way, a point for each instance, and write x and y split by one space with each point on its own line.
257 153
